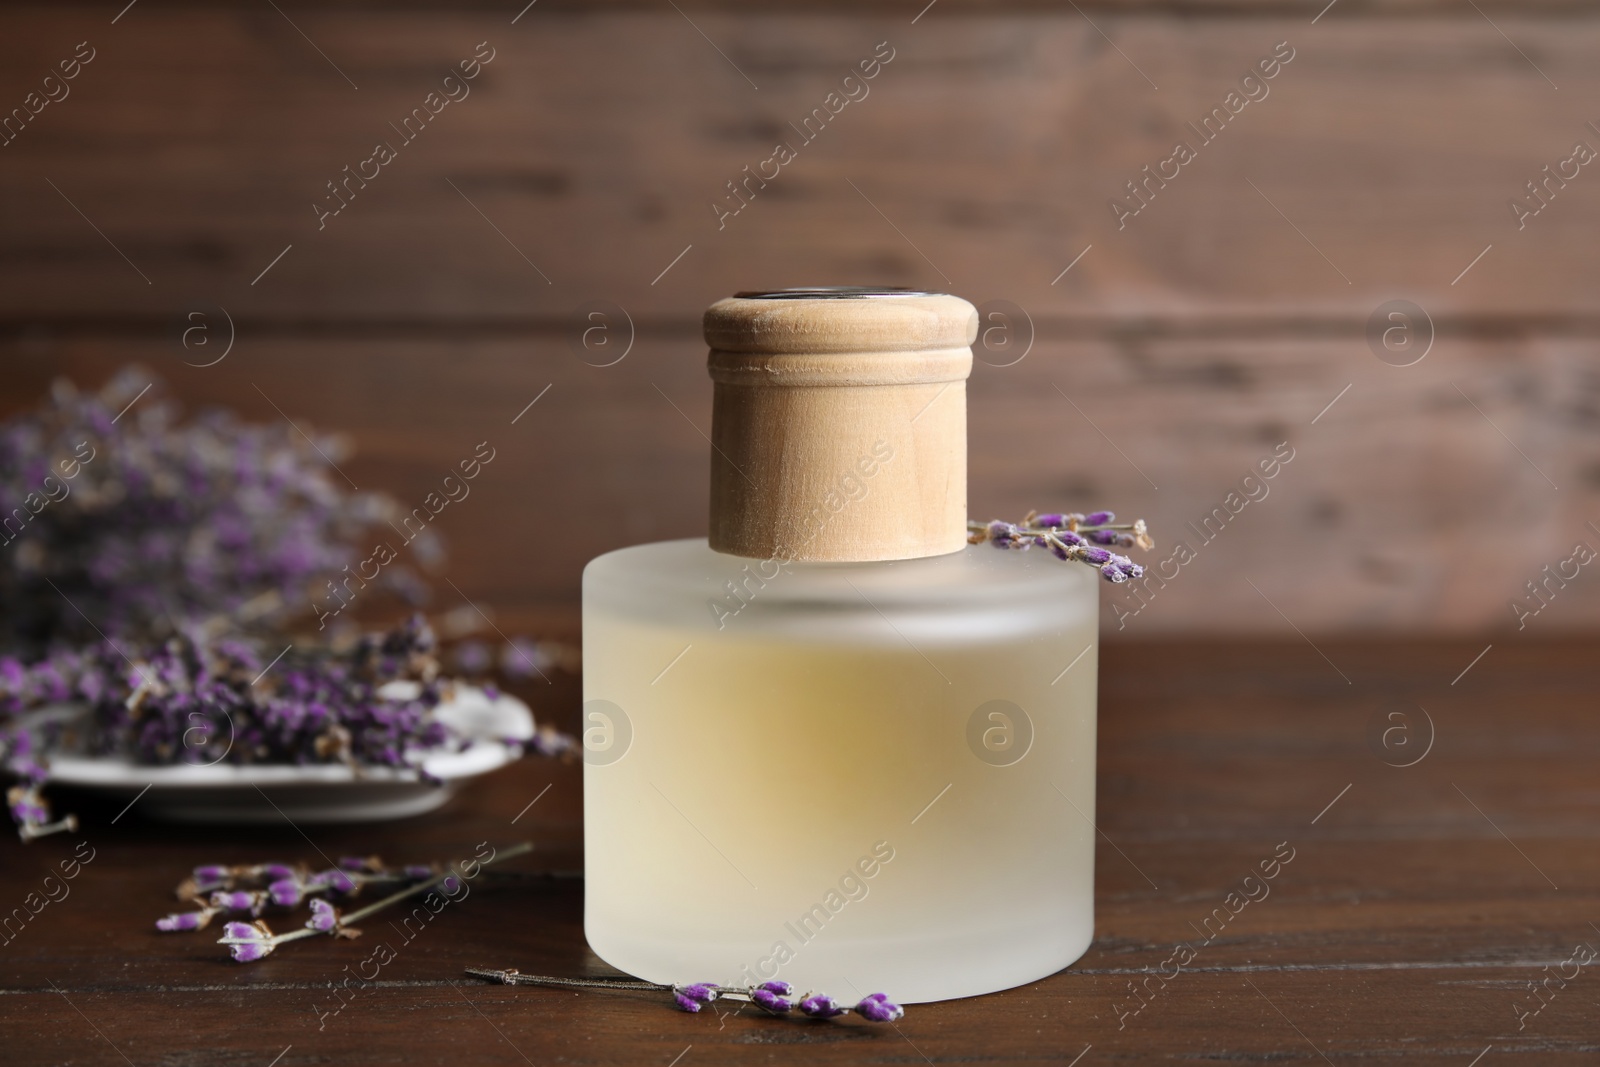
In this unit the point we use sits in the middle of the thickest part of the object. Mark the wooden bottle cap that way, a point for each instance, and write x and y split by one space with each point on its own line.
839 423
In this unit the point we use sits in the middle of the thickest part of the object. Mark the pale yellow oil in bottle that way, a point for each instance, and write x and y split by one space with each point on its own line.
855 778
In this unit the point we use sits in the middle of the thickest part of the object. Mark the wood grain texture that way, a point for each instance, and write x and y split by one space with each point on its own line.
1383 519
597 146
839 426
582 170
1406 925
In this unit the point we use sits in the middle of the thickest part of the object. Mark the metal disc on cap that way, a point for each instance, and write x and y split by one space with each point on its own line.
847 319
831 292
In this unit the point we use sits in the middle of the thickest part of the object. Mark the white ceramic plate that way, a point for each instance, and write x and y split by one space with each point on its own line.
322 793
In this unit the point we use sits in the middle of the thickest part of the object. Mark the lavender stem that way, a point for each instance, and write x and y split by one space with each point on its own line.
421 887
513 976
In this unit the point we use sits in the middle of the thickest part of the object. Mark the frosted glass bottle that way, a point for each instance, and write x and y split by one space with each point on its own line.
853 774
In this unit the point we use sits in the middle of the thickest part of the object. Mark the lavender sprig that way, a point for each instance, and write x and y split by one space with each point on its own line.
31 812
776 998
249 942
1071 536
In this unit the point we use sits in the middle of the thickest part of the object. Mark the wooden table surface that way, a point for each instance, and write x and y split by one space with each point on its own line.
1420 902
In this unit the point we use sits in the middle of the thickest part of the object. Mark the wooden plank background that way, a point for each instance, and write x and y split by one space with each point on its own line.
1171 357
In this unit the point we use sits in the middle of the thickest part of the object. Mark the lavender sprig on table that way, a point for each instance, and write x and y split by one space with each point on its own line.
252 889
252 941
775 998
1071 536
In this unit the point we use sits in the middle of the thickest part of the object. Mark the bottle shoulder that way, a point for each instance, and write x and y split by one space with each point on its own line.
687 583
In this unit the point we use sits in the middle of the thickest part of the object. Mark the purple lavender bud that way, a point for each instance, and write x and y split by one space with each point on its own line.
250 952
286 892
765 998
473 657
783 989
338 881
1097 556
1052 519
879 1009
820 1006
520 658
1001 534
1103 537
1112 573
28 811
187 920
324 916
212 877
235 901
358 864
1098 518
1130 568
274 872
1059 551
417 872
1068 537
247 941
691 997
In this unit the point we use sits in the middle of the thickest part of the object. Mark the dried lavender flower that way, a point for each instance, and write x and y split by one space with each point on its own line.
32 812
324 916
212 877
1071 536
239 900
336 880
776 1003
187 920
820 1006
879 1008
1001 534
248 941
692 997
287 892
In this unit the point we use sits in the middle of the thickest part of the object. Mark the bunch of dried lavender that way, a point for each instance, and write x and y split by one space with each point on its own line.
775 998
197 701
116 511
1073 536
256 888
149 540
